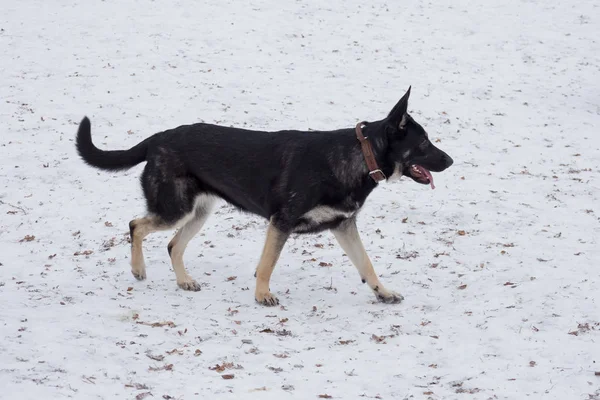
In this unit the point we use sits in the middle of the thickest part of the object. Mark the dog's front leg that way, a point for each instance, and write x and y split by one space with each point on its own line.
273 245
349 239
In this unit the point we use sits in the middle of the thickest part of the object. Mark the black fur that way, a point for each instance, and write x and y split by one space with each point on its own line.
277 175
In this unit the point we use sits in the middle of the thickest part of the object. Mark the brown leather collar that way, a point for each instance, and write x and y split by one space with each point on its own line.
367 149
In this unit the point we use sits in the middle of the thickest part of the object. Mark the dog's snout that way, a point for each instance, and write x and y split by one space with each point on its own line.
449 161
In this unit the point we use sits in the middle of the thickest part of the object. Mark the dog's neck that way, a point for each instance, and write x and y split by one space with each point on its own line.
379 143
352 169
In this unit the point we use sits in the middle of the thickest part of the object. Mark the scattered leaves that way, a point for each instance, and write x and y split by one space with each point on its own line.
228 376
462 233
462 287
583 328
325 396
27 238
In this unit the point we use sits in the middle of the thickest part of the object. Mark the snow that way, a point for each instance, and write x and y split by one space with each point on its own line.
498 265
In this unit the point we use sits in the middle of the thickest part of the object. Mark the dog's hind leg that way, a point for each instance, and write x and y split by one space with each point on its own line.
139 229
178 244
272 249
349 239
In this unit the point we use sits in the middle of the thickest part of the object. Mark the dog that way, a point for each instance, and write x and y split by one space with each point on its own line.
300 181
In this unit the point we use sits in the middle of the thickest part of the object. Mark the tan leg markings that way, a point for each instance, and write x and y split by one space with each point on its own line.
177 248
139 229
349 240
271 251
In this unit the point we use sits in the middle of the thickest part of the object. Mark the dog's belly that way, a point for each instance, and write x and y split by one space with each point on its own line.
321 218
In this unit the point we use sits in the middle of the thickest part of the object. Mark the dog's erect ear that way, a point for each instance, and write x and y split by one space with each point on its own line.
396 115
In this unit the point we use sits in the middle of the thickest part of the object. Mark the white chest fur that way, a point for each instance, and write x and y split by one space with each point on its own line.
322 214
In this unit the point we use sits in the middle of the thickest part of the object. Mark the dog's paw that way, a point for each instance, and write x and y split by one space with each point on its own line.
390 297
189 284
266 299
139 274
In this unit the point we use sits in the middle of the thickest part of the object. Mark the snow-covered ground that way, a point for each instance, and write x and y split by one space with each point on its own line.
498 265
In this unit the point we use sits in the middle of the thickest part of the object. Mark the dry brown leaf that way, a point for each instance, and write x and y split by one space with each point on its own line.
159 357
170 324
224 366
166 367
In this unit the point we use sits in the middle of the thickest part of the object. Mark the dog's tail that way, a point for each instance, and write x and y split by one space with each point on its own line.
114 160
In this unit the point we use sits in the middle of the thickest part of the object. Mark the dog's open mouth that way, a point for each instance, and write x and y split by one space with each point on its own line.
421 175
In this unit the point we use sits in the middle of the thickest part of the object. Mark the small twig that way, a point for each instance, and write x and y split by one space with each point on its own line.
13 206
207 306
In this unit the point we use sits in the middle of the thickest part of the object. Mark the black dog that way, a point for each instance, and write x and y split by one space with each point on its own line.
302 182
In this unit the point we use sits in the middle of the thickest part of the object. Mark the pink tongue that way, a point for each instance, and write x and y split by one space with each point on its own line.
428 174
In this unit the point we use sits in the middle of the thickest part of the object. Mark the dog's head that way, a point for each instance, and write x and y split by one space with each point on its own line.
411 150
